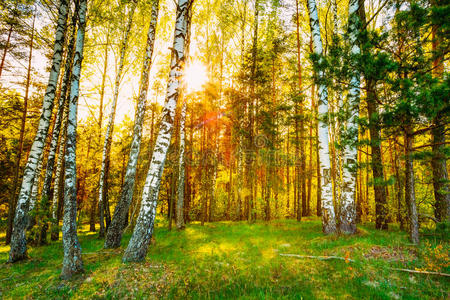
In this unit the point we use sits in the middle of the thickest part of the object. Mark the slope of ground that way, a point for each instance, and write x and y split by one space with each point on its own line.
239 260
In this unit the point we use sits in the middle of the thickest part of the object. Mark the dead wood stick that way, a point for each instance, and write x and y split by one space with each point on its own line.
422 272
317 257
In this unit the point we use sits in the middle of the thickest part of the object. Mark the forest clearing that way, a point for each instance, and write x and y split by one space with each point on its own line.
226 149
236 260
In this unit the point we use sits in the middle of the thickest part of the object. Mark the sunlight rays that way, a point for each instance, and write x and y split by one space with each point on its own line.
195 76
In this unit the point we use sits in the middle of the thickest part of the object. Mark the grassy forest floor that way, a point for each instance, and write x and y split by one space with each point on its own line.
227 260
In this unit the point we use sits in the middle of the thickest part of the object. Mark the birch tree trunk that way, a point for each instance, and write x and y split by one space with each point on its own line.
118 223
109 130
59 176
18 242
34 193
94 202
347 214
328 214
45 196
12 199
182 164
181 179
72 262
137 247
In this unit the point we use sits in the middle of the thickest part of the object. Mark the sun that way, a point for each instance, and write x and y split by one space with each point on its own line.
195 76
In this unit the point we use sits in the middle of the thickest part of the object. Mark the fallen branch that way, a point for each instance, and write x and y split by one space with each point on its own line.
317 257
422 272
101 252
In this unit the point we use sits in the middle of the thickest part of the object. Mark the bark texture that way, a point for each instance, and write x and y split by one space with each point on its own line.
119 220
138 245
72 262
18 242
328 213
440 175
410 194
46 189
12 199
59 176
347 223
181 178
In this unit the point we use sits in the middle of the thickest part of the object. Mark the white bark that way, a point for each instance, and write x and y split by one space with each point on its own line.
36 184
182 164
137 247
109 129
181 179
114 234
72 262
59 173
348 204
328 213
18 241
59 118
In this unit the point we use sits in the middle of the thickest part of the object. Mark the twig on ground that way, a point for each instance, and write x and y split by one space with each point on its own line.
317 257
421 272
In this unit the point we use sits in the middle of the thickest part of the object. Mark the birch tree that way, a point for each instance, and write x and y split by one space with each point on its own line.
328 213
109 130
12 199
72 262
18 249
138 245
59 176
348 209
45 196
182 164
118 223
181 173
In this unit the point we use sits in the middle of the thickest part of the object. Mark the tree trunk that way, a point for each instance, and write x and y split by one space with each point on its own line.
181 179
34 194
288 184
410 195
137 247
440 175
180 206
381 206
18 242
102 192
94 203
58 189
310 167
118 224
2 63
317 148
12 199
72 262
250 172
347 223
328 214
46 190
438 161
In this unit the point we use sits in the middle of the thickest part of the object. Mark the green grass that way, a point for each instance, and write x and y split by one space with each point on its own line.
233 260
